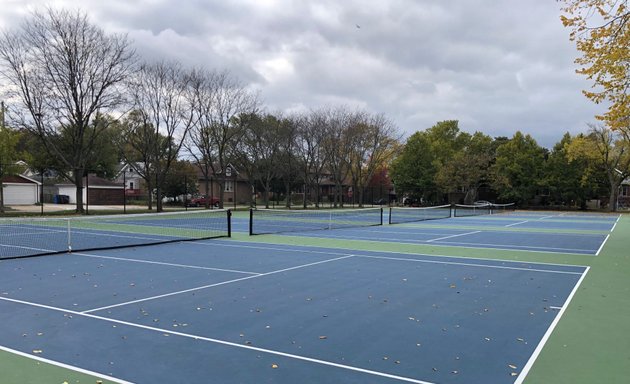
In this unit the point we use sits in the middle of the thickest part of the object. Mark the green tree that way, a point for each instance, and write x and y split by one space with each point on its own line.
468 167
518 169
413 170
181 180
565 178
601 31
608 154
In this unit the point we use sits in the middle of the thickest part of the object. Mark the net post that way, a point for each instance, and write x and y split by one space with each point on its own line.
389 220
381 215
450 210
69 237
251 221
229 223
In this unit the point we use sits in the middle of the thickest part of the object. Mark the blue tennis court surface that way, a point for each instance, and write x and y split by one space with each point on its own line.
227 311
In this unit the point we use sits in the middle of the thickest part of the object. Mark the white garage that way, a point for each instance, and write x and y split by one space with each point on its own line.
20 190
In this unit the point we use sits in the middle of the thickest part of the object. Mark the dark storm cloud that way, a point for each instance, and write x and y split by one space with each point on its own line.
497 67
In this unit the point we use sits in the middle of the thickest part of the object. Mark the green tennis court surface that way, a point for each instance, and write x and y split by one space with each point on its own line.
280 308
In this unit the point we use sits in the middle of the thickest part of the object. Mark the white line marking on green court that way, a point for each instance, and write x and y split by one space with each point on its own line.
602 246
543 341
520 222
65 366
451 236
470 264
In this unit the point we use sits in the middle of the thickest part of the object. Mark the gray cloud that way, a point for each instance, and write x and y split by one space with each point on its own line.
498 67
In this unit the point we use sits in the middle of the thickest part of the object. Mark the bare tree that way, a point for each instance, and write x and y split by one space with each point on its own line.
372 137
310 151
137 147
221 105
63 70
260 150
289 168
337 145
161 97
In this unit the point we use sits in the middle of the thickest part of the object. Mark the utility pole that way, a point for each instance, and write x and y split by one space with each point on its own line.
2 126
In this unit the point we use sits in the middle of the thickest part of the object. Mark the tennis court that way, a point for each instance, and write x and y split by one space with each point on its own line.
242 310
543 232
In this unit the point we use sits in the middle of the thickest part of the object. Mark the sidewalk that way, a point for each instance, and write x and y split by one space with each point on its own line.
68 208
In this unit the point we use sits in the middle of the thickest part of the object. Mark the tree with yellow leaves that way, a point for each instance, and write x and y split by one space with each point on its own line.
601 31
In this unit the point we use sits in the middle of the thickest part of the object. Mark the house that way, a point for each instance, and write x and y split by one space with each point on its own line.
20 190
623 199
236 190
134 184
96 191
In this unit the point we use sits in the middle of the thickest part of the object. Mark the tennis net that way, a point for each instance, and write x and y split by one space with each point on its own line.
267 221
398 215
502 208
461 210
24 237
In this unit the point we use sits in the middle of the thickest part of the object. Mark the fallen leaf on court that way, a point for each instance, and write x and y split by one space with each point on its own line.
512 366
514 374
385 357
486 338
274 366
453 286
37 351
323 337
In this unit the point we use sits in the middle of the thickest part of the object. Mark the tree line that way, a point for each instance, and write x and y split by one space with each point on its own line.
82 100
85 100
440 161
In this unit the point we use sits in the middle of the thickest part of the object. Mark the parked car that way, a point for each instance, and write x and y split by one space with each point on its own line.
200 201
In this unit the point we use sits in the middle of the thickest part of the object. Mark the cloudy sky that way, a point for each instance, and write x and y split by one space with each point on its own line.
496 66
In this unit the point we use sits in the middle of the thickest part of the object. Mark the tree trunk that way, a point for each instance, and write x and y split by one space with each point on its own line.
612 200
287 193
78 183
2 197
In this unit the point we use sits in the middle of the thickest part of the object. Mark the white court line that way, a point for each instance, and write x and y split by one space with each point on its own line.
29 248
482 246
300 248
451 236
471 264
223 342
547 217
520 222
214 285
65 366
543 341
522 247
602 246
163 263
615 225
